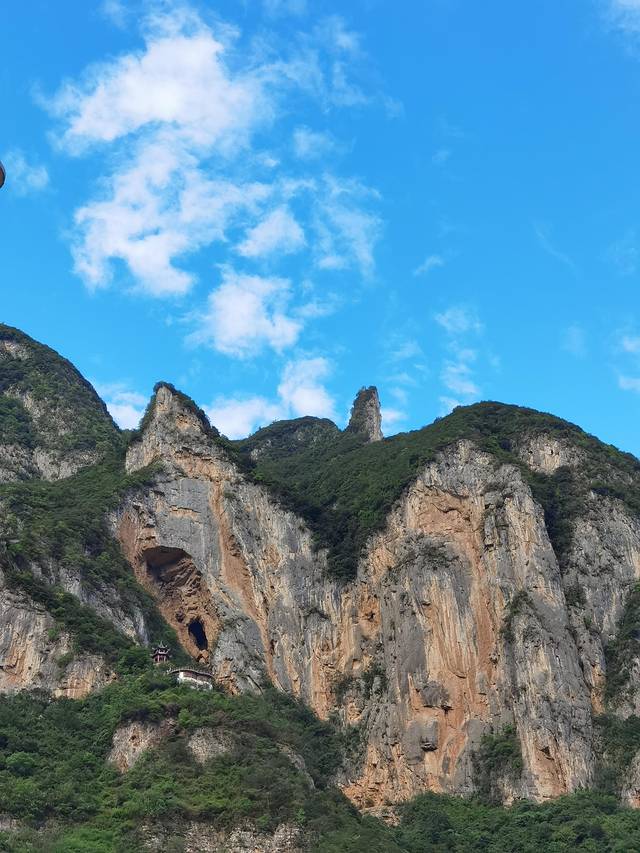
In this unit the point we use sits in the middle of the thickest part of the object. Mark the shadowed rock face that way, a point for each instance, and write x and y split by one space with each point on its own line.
456 625
366 418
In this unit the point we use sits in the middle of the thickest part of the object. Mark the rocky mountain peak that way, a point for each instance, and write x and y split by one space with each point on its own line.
366 418
172 420
52 422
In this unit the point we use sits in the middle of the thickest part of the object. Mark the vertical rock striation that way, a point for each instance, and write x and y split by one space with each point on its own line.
366 417
457 624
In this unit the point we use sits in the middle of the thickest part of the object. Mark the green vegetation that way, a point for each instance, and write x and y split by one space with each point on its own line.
586 822
520 602
366 682
344 489
68 397
55 779
498 759
53 768
15 423
618 744
621 652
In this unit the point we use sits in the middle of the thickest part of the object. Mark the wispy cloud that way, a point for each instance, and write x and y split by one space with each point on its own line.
624 15
459 320
247 313
276 8
312 144
461 326
624 254
277 232
630 344
24 178
182 119
542 233
629 383
301 391
430 263
441 156
575 341
627 353
391 418
125 406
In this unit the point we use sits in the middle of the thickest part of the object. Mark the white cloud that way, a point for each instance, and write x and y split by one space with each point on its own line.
430 263
246 313
116 12
179 120
400 395
390 418
277 232
126 407
575 341
310 144
180 82
346 231
172 107
630 343
403 349
456 376
458 320
237 417
24 178
625 14
629 383
448 404
301 388
301 391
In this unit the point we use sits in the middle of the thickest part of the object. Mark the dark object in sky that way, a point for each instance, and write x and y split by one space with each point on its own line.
3 174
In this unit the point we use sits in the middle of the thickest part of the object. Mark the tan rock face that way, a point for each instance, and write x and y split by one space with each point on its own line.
203 838
130 741
34 653
456 625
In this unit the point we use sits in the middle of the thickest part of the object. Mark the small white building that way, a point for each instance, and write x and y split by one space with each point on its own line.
193 678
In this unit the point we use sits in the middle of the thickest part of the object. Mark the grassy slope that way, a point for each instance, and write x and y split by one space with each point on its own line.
55 780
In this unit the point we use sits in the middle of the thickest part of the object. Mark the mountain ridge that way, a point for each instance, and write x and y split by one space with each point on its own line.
457 606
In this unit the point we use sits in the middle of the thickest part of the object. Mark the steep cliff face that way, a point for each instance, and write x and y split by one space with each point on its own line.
467 588
366 416
458 624
35 654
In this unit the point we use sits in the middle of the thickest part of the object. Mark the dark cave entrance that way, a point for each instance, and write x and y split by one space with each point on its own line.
162 561
197 632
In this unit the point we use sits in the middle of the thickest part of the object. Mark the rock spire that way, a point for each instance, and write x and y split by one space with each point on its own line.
366 418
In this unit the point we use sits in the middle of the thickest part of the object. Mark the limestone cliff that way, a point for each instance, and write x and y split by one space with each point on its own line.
482 593
458 623
366 417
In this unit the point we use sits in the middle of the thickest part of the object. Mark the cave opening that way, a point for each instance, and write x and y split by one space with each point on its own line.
197 632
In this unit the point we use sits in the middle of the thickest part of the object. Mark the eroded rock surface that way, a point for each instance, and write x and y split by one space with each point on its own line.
457 624
198 837
132 740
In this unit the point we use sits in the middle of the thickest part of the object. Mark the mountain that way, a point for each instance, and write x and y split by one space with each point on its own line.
406 635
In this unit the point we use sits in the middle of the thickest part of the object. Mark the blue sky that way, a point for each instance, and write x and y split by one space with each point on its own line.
271 203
